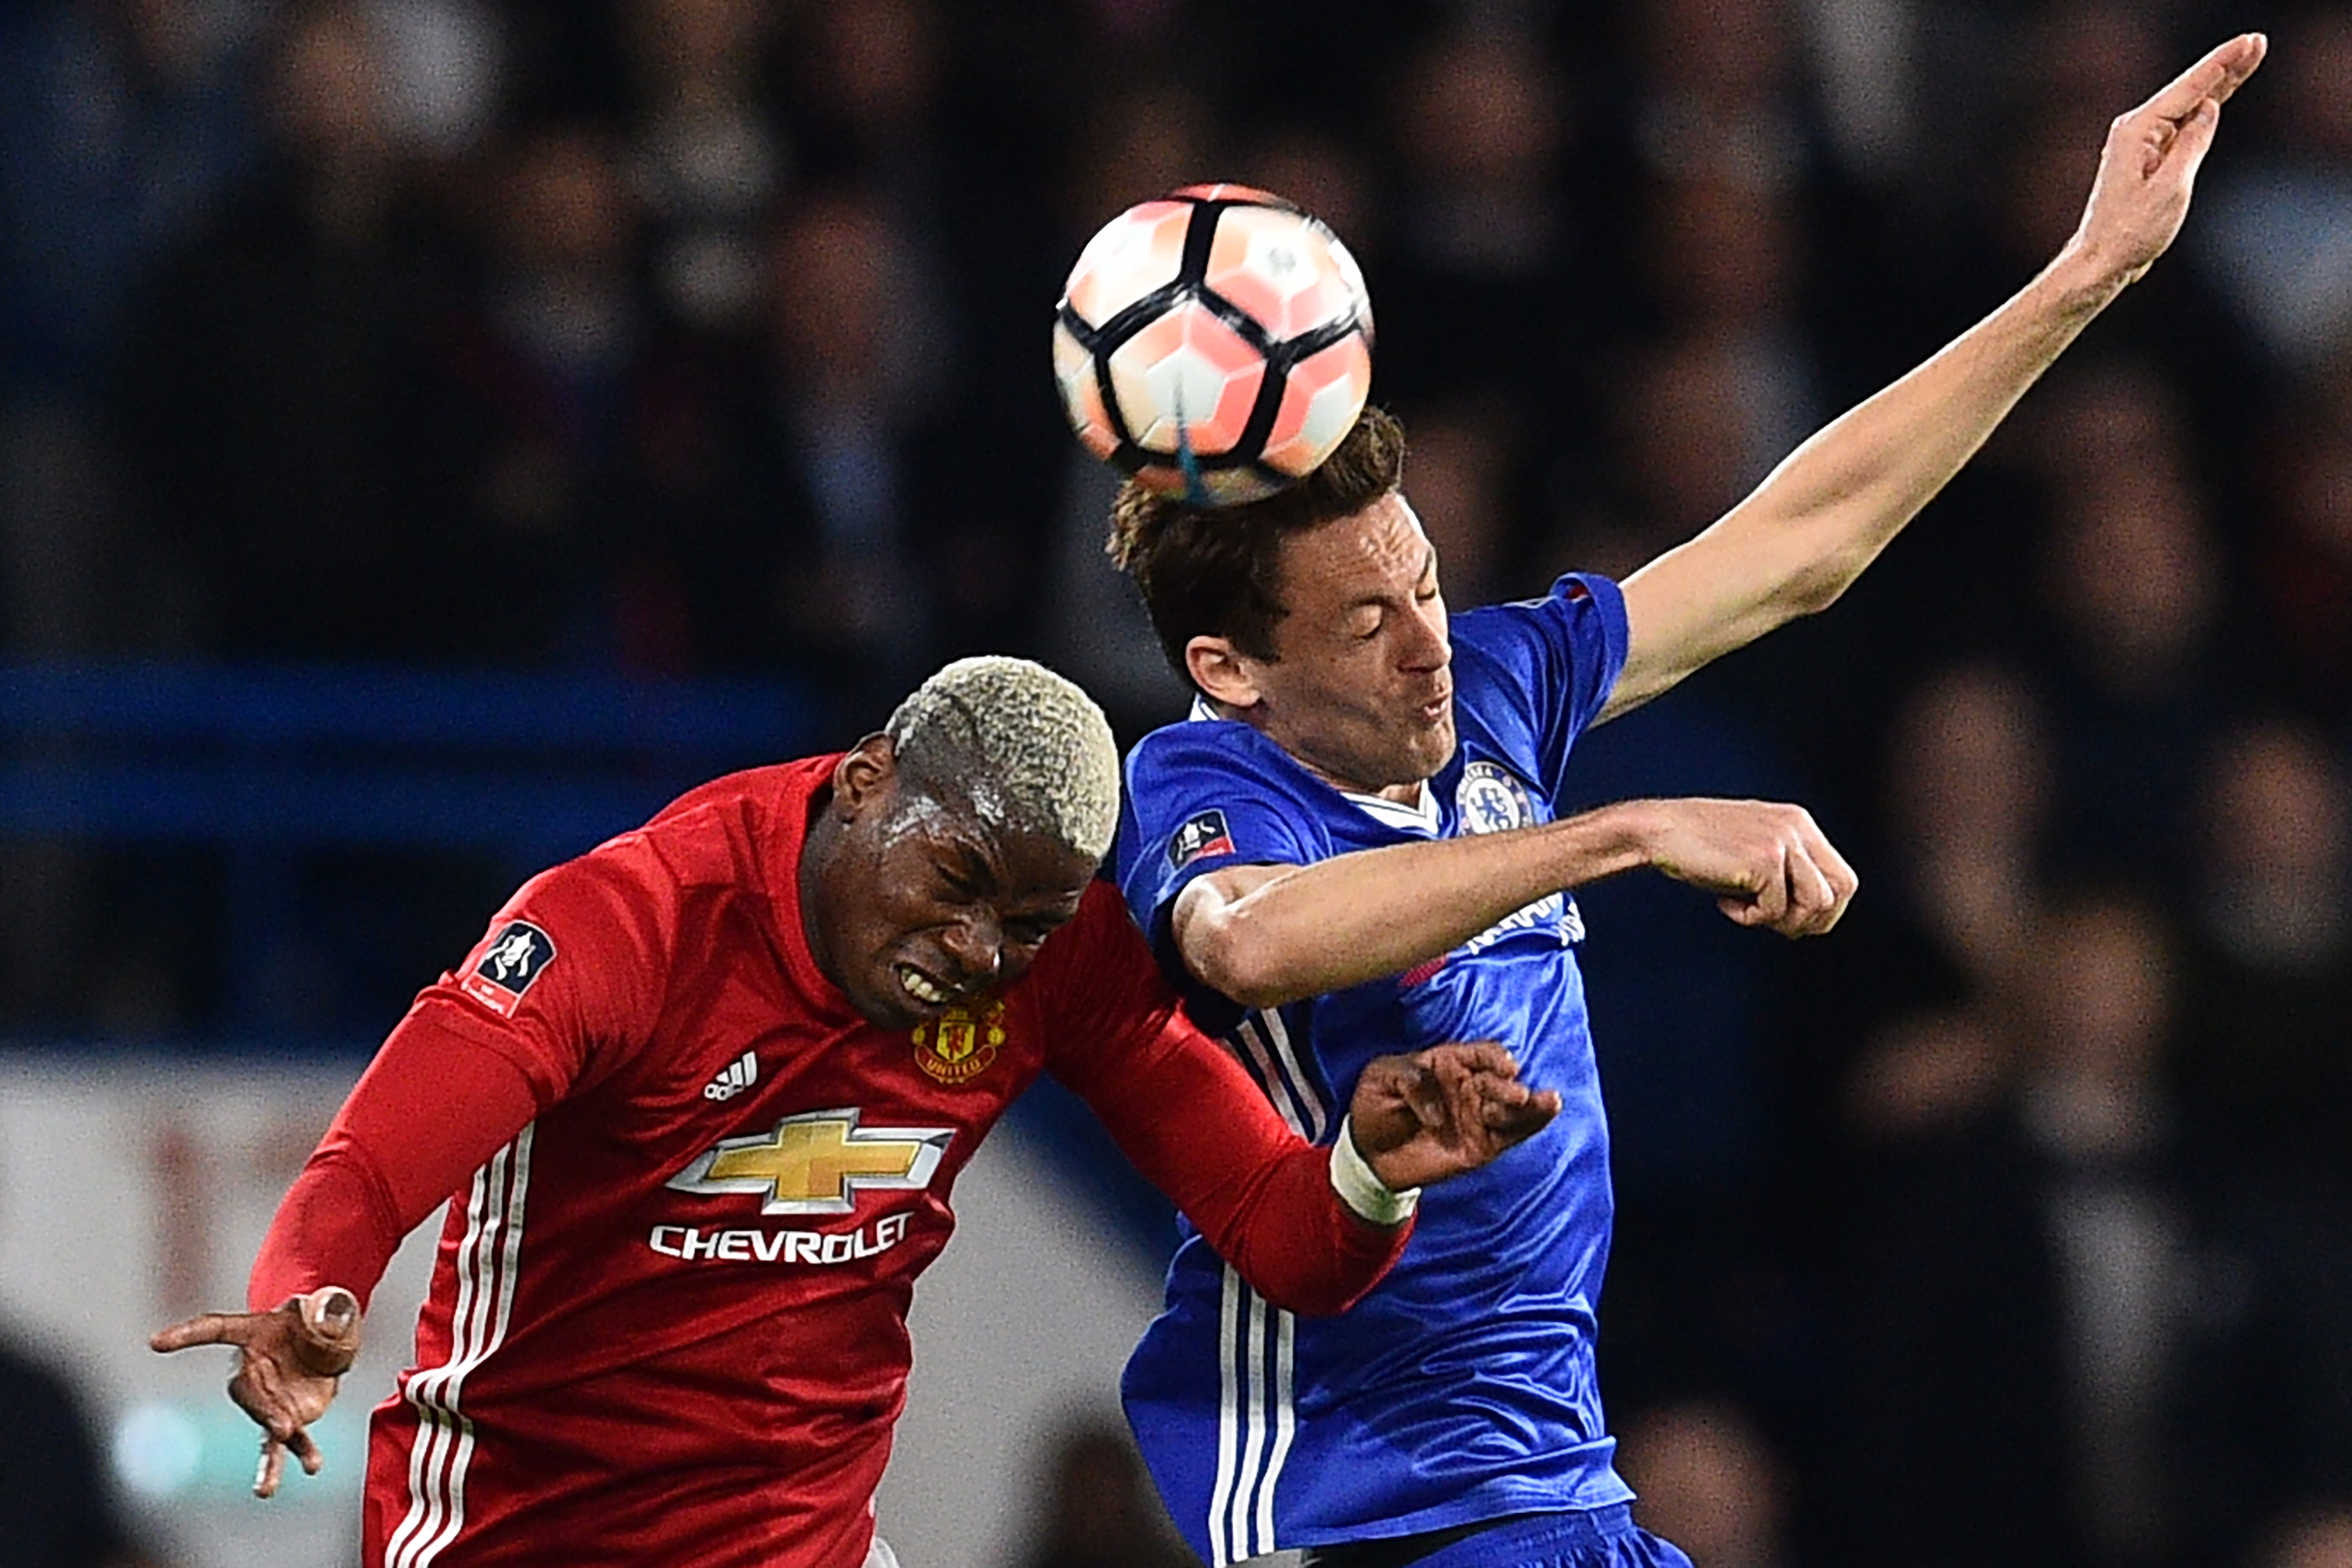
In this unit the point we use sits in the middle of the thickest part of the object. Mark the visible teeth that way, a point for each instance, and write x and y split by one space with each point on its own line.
919 988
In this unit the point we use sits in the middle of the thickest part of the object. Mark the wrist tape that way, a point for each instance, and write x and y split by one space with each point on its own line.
1360 1189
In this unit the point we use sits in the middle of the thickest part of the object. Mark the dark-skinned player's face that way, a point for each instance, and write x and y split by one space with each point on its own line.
1363 690
922 899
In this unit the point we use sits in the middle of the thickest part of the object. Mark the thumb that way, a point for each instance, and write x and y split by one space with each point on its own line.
1425 1083
2196 137
1741 911
331 1329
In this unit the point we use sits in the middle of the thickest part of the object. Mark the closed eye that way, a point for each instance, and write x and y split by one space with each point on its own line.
1030 929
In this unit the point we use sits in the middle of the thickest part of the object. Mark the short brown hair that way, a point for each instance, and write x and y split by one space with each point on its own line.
1216 572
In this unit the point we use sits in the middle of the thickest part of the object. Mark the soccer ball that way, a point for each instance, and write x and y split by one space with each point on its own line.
1215 343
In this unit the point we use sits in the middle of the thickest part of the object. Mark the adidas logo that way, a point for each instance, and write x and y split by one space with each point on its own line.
739 1075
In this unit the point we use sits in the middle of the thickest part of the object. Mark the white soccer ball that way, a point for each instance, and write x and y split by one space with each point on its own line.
1215 343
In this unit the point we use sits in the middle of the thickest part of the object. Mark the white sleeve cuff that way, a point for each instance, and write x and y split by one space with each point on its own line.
1363 1192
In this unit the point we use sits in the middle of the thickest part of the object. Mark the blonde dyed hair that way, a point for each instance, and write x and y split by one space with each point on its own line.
1022 743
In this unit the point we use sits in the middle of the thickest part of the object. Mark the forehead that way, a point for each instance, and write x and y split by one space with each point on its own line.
1377 553
966 832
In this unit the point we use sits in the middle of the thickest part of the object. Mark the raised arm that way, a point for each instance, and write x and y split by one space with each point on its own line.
1264 935
1802 537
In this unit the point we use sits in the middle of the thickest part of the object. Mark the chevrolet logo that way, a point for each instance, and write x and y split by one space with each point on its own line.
817 1162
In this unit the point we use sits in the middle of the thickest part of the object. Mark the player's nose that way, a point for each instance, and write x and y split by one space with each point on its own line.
1426 646
976 944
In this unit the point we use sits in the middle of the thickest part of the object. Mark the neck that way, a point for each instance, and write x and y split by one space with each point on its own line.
1407 794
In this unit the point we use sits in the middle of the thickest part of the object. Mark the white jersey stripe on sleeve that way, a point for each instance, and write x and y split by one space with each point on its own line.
488 1265
438 1406
425 1455
509 1267
1318 1119
1270 1076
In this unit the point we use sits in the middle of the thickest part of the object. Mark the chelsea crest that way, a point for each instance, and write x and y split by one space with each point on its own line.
1491 799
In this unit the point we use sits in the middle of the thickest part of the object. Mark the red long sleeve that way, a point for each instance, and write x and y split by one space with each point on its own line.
1194 1122
432 1107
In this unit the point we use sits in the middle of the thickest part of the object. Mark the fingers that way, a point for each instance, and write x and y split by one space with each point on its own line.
1516 1117
206 1329
1771 899
1820 885
259 1390
1478 1084
272 1467
1810 905
281 1435
1844 880
1790 878
1476 1056
1481 1090
288 1363
1467 1106
1426 1087
2179 121
299 1441
2212 79
2183 143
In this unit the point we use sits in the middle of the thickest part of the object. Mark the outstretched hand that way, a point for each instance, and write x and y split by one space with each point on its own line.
1444 1113
2149 164
291 1360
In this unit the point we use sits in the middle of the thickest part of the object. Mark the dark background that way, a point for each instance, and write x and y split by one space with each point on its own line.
432 431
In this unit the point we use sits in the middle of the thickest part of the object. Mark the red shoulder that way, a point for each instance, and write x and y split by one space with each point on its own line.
1099 991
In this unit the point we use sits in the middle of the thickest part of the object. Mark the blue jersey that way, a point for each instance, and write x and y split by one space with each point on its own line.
1463 1387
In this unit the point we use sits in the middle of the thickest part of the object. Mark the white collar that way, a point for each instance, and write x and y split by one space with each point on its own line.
1418 816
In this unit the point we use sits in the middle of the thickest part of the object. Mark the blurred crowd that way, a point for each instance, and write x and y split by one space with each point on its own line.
2012 1223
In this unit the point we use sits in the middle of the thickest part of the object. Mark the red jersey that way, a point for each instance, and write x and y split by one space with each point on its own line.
667 1318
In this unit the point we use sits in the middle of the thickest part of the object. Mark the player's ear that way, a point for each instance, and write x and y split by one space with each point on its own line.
864 772
1222 670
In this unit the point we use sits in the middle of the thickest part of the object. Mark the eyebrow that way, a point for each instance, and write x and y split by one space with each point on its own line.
1428 566
968 861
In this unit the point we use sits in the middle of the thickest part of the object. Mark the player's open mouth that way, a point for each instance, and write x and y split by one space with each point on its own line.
922 987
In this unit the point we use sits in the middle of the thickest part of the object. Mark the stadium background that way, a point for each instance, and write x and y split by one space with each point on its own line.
431 431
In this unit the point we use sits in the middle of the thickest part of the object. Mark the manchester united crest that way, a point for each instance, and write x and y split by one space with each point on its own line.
959 1045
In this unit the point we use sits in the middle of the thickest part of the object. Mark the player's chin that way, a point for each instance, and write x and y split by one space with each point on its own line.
1431 743
886 1002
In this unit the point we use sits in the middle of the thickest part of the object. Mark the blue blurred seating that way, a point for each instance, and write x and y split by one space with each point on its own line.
263 763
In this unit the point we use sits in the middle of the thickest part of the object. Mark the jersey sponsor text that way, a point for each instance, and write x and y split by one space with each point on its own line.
695 1245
